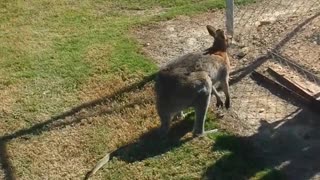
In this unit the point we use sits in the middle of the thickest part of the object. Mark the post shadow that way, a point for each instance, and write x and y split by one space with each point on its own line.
5 162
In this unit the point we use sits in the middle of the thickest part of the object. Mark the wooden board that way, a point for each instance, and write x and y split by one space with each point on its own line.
313 104
307 85
290 84
286 60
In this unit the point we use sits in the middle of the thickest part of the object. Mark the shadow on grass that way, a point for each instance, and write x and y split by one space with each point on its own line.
6 164
240 162
45 126
59 121
150 144
286 149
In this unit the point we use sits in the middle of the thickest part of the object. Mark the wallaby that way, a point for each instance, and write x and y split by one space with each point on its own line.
190 80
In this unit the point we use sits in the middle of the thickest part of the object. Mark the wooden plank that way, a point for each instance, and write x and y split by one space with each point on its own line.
275 85
289 84
285 60
313 105
302 87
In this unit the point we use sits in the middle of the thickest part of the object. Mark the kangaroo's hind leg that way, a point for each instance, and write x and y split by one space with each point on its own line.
201 107
219 101
225 88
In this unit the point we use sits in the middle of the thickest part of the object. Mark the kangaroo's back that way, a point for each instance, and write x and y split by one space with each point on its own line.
193 62
188 82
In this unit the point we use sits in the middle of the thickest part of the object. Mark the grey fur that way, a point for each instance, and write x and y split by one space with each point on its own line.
189 81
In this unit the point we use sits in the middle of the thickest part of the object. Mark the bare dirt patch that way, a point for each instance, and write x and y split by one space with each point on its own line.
287 128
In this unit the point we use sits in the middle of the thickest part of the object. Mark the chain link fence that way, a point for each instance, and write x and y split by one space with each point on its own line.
274 40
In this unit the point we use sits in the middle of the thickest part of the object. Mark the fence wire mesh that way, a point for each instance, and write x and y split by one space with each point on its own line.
280 35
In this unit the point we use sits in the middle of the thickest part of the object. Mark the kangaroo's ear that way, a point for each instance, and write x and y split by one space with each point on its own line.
211 30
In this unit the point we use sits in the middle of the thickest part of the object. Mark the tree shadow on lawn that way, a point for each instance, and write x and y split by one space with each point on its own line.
60 121
286 149
47 125
239 162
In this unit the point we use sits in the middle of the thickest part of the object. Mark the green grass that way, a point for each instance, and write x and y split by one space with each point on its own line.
46 50
55 54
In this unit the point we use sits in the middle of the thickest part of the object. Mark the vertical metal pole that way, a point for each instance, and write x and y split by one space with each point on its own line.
229 17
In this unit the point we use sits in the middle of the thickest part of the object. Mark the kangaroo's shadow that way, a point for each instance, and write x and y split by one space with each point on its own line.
150 144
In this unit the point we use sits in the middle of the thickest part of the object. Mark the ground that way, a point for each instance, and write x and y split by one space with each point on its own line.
73 87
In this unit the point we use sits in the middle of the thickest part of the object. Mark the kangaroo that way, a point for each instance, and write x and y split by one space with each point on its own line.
189 81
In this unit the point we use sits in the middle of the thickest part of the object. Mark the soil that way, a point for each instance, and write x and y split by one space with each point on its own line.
280 127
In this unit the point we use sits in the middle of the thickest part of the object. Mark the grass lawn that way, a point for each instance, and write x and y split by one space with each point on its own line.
66 70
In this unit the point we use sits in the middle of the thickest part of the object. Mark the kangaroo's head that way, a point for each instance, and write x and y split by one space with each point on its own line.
220 42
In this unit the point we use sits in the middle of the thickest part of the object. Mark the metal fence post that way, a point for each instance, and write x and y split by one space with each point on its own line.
229 17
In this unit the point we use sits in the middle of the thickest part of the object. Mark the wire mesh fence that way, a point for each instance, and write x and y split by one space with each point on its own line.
276 36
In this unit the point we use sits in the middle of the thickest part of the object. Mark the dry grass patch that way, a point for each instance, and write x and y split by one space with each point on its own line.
69 146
